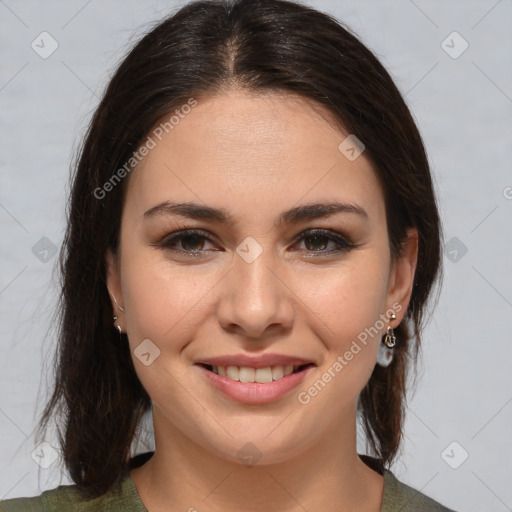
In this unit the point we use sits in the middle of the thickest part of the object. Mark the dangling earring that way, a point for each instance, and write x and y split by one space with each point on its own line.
385 355
390 338
118 327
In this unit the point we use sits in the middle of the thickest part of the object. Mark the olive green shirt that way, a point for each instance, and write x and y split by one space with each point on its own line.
397 497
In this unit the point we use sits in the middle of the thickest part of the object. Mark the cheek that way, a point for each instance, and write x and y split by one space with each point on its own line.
350 298
163 301
165 307
347 304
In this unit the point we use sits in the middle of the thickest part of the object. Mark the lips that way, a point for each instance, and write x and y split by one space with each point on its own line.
250 361
255 379
245 385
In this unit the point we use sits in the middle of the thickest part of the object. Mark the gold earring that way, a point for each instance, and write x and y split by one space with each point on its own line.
390 338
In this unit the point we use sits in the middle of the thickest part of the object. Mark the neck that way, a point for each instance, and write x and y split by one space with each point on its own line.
328 476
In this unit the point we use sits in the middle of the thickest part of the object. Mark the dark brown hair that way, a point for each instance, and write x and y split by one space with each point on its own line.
203 49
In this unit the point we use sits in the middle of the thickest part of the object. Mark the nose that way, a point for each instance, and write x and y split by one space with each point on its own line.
255 298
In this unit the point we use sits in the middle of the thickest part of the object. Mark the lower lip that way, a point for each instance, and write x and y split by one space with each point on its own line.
255 392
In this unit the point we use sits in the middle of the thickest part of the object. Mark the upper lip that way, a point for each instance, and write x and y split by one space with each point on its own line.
250 361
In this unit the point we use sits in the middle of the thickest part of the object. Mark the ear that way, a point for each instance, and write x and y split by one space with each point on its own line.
114 285
402 274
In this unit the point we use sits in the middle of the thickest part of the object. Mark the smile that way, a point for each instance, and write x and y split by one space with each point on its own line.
260 375
255 385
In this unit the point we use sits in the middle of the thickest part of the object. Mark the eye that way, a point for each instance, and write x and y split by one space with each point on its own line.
319 239
190 240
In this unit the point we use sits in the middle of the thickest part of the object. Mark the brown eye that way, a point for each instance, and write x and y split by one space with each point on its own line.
187 241
191 242
317 241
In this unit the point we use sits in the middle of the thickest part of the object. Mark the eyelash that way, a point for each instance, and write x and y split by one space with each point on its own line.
343 244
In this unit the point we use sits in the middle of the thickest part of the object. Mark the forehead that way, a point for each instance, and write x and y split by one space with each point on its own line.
251 154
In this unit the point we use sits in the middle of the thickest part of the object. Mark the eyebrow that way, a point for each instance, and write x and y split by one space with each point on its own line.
291 216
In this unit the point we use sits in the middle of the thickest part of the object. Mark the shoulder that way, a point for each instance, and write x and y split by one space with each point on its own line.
399 496
22 505
66 498
60 498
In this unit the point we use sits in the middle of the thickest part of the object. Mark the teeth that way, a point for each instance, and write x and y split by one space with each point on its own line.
277 372
245 374
231 372
261 375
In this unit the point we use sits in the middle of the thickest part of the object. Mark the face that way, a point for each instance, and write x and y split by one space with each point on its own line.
198 284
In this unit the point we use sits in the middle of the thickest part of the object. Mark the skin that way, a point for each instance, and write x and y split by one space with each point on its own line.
255 156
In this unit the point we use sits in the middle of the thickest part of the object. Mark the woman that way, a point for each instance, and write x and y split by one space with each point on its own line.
252 241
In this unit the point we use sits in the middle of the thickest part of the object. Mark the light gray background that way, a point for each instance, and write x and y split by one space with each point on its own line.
463 107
